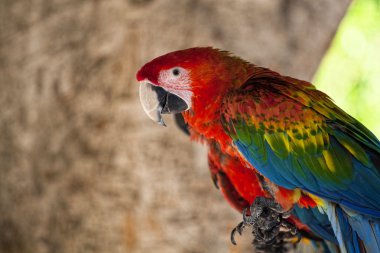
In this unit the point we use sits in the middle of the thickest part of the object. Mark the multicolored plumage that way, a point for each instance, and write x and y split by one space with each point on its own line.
298 138
287 130
240 185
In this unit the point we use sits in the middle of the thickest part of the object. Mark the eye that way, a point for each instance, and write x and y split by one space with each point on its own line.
176 72
174 75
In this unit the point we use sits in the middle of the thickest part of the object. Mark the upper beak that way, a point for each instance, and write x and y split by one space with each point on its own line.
157 101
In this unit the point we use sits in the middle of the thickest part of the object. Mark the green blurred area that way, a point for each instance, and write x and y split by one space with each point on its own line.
350 71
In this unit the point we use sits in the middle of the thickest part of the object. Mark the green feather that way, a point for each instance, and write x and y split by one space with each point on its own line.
353 147
279 143
243 133
338 163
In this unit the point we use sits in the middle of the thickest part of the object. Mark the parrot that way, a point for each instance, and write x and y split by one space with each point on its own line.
241 185
292 134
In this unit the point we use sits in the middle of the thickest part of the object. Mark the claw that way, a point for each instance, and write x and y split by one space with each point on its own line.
215 181
287 214
239 228
269 225
233 232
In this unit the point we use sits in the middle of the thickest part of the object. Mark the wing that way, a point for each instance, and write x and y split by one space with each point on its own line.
298 138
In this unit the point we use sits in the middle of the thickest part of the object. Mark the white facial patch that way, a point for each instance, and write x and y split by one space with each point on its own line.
177 81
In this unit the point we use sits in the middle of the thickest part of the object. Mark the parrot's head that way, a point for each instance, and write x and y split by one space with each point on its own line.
184 80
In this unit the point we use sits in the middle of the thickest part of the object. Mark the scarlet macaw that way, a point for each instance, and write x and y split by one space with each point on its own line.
293 134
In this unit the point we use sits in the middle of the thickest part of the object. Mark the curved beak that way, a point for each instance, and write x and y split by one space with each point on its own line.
156 101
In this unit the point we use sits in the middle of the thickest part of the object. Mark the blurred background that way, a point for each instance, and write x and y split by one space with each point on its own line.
82 169
350 71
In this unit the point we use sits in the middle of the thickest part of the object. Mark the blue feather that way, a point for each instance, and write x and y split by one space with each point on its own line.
368 230
355 233
318 222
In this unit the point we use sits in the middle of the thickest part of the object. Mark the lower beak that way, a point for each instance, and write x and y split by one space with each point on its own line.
157 101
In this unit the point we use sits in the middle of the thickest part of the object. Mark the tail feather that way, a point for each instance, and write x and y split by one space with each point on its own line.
355 233
368 230
351 238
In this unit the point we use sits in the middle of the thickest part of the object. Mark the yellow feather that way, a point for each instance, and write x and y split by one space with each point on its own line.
329 160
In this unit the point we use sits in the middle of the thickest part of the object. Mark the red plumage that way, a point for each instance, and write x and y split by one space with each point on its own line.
210 83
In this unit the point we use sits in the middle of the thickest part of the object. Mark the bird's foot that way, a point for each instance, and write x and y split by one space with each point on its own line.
269 225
